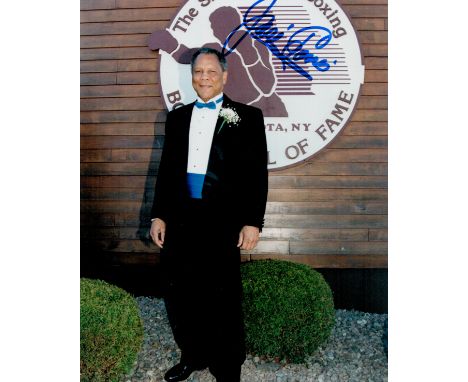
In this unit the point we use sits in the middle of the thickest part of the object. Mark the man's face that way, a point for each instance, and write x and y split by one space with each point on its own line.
208 78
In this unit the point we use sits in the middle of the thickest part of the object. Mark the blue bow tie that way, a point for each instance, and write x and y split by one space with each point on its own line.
209 105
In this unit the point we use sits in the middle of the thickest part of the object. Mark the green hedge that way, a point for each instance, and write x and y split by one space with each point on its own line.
288 309
111 331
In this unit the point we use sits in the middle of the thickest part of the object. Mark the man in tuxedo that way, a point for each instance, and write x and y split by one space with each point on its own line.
209 203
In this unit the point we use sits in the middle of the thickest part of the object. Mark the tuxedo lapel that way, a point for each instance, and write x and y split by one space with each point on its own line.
184 124
217 155
219 121
226 104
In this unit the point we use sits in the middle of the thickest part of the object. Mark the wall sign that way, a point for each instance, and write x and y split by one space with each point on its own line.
299 61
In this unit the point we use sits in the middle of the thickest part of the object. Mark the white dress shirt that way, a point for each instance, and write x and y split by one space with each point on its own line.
202 126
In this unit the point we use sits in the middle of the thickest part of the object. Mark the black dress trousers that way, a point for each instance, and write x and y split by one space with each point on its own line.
203 290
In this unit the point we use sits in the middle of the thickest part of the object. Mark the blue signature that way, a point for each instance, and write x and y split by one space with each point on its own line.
262 28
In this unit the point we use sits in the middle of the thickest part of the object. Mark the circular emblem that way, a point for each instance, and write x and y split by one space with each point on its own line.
298 61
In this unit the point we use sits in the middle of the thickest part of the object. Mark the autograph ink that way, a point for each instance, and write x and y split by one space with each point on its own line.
298 60
267 33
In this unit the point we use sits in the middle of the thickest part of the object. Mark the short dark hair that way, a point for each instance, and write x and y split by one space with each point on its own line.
217 53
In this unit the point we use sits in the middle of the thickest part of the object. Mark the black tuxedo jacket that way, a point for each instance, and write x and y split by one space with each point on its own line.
236 183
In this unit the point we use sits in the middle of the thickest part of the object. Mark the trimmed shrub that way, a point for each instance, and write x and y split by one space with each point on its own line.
111 331
288 309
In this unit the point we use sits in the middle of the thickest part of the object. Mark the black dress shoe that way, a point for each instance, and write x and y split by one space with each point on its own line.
180 372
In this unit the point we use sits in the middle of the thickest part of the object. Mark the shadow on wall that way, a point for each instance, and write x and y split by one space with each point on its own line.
97 258
95 246
148 194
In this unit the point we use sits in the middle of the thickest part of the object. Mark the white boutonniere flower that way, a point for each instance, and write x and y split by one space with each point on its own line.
229 115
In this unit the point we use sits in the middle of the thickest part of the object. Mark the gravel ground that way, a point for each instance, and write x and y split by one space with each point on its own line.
356 351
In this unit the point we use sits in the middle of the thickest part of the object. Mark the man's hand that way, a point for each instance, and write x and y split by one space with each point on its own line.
158 231
248 237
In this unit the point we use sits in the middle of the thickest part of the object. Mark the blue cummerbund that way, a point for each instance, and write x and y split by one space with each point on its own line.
195 184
